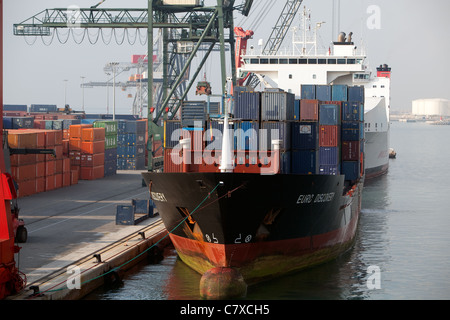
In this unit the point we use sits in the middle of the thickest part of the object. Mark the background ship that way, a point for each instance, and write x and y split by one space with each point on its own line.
342 63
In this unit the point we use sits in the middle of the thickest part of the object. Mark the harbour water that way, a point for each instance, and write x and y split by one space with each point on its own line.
401 251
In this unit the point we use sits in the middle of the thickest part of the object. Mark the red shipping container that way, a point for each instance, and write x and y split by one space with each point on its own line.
73 177
49 182
351 150
24 173
75 130
58 166
58 151
309 110
329 136
92 173
58 180
92 160
65 146
66 165
173 163
26 188
39 124
22 159
18 139
91 147
93 134
49 168
66 179
40 184
40 169
75 158
58 137
49 138
66 134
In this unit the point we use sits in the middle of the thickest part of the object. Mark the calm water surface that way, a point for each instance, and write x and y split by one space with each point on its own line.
404 231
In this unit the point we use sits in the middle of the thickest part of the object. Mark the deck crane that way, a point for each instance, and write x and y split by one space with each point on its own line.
194 23
278 34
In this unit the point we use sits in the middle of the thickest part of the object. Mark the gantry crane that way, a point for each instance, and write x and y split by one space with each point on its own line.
191 23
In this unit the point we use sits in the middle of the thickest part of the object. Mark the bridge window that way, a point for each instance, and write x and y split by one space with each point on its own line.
303 61
254 61
331 61
351 61
312 61
322 61
341 61
264 61
273 61
293 61
283 61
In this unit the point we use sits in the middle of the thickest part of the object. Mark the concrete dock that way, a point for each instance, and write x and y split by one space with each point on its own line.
68 226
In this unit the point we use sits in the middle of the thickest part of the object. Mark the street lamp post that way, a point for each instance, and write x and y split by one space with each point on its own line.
65 93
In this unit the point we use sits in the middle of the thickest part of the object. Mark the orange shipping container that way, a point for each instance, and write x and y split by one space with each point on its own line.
66 134
66 165
93 134
74 144
22 159
92 173
58 151
75 130
65 147
58 137
91 147
21 139
49 139
75 158
58 166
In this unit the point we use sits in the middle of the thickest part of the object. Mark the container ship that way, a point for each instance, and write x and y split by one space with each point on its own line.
343 63
272 187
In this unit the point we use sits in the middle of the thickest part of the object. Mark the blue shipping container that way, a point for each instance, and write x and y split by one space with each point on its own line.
246 135
275 130
15 107
308 91
339 92
351 170
351 130
329 170
329 114
7 122
356 93
352 111
111 154
247 105
135 126
23 122
110 167
323 93
329 156
304 162
297 109
304 135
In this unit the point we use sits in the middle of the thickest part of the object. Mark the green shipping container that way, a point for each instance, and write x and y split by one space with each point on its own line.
110 126
111 141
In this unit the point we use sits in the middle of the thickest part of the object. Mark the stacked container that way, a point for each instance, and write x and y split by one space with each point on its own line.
110 163
92 158
131 145
75 136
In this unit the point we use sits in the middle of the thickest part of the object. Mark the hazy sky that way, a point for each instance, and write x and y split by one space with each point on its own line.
412 37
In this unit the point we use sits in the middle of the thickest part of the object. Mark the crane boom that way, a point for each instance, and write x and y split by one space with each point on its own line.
283 24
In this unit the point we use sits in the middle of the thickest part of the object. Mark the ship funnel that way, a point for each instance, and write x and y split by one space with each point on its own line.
341 37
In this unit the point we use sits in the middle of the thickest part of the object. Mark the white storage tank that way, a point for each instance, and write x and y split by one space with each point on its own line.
431 107
194 3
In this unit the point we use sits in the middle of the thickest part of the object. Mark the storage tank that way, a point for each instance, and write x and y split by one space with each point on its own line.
431 107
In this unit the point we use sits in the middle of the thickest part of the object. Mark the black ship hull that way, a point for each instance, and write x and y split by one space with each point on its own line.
262 225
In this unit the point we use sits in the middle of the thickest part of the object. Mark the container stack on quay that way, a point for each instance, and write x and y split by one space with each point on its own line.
85 149
321 133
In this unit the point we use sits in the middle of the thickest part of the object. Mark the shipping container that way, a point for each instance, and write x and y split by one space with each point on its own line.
214 133
352 111
134 151
329 155
8 122
91 147
43 108
339 92
351 150
247 105
277 106
173 160
93 134
332 170
304 135
111 141
329 114
213 107
110 167
193 114
111 154
75 130
110 126
329 136
308 91
275 130
309 110
351 170
15 107
352 130
304 161
356 93
172 133
135 127
323 93
246 135
23 122
297 110
92 160
92 173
